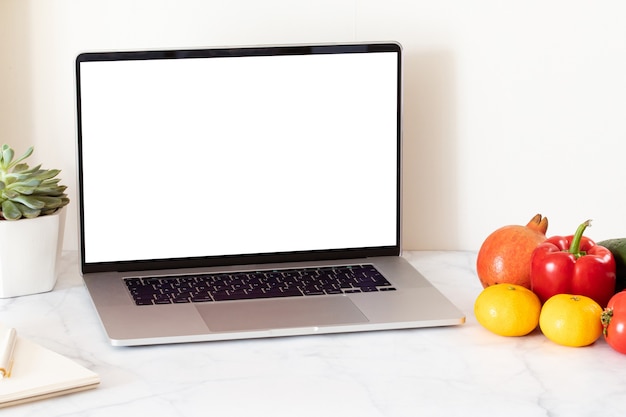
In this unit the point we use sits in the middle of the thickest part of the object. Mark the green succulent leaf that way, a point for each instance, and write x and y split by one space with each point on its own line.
26 154
21 168
33 182
10 210
7 155
46 174
55 191
50 202
23 189
24 169
9 193
28 212
51 181
29 201
12 178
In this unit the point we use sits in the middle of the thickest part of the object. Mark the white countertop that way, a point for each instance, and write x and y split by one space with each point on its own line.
451 371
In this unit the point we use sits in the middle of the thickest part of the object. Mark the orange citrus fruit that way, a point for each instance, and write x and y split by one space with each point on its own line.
571 320
507 309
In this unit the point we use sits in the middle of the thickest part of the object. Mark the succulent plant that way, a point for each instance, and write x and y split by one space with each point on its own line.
28 192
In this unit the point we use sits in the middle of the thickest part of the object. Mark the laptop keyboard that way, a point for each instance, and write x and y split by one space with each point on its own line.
258 284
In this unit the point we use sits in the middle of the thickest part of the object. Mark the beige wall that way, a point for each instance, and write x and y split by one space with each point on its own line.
511 108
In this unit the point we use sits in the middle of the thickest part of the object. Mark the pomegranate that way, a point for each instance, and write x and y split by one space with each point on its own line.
504 256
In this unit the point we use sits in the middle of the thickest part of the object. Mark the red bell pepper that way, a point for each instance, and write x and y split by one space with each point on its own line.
573 265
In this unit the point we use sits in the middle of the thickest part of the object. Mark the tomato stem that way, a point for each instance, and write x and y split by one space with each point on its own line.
606 317
574 248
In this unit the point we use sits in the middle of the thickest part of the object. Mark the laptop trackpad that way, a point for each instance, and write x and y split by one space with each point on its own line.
280 313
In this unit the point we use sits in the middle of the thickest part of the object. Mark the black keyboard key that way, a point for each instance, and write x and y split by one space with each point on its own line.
196 298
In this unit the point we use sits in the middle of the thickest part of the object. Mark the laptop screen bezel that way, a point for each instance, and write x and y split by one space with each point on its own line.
257 258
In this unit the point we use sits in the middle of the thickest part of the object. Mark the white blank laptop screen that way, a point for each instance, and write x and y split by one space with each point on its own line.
238 155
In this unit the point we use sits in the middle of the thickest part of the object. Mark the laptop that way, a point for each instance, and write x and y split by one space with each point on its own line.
245 192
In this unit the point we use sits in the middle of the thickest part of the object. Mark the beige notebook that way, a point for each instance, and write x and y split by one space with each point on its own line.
40 373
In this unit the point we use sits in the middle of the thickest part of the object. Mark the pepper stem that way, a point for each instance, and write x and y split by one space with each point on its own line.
574 247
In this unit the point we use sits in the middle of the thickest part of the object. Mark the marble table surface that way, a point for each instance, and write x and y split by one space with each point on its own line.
452 371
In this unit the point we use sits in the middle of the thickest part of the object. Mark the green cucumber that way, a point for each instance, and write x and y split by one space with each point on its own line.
618 249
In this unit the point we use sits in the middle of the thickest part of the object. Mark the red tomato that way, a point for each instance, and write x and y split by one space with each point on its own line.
614 322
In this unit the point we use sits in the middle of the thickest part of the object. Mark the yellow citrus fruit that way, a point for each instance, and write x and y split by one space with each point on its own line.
508 309
571 320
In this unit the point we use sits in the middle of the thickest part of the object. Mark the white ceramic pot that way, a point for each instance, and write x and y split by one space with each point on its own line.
30 251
